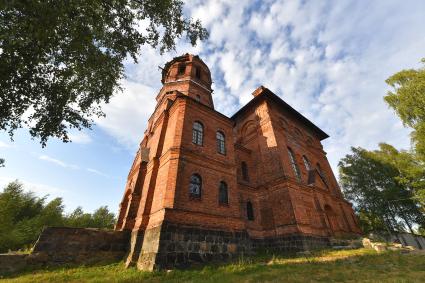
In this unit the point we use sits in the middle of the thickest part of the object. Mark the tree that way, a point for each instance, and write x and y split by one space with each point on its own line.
371 223
377 186
78 218
408 100
411 170
23 216
101 218
60 60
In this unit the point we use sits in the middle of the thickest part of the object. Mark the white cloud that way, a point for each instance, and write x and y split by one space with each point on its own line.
97 172
40 189
57 162
80 137
128 112
4 145
328 59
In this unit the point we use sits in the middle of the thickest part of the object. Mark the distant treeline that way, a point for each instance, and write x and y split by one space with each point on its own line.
23 215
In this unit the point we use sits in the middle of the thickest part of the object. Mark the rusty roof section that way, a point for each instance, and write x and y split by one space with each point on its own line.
262 93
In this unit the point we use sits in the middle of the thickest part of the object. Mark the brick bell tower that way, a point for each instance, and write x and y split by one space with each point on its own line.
204 186
166 222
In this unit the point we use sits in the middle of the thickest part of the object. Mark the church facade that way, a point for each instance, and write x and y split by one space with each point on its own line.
204 186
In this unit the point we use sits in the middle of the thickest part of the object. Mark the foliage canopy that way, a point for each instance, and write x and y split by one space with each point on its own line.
60 60
382 185
408 100
23 215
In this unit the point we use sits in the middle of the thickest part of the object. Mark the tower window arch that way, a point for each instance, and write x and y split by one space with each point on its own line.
244 168
182 69
197 133
195 186
221 144
249 211
223 197
197 72
307 163
322 174
294 164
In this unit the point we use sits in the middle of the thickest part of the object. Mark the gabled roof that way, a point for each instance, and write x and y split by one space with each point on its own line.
262 93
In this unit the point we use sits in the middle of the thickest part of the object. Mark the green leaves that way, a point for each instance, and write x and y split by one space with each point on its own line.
101 218
408 100
23 216
61 59
385 186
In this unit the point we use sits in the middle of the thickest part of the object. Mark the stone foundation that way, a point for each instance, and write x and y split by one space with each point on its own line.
164 247
171 246
12 262
81 245
63 245
291 243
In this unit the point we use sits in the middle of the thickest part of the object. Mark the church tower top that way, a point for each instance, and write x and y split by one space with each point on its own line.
187 66
189 75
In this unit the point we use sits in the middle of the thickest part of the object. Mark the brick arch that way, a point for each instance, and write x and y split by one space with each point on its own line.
298 133
331 218
283 123
249 127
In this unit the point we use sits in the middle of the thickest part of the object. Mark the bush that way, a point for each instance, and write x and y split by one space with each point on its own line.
23 215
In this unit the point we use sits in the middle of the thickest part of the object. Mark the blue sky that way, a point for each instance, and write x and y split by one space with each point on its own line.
328 59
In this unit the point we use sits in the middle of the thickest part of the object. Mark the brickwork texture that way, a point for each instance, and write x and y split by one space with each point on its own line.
204 186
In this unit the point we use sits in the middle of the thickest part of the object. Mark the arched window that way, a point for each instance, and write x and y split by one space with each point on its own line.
182 69
249 211
198 97
306 163
195 186
294 164
197 72
298 133
197 133
222 193
244 168
322 174
221 145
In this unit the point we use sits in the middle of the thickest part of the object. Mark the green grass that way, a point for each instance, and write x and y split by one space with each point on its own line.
360 265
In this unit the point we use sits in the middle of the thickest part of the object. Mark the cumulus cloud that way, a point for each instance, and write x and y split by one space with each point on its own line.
128 112
328 59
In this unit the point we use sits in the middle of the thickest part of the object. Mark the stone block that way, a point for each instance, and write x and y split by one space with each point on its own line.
367 243
379 247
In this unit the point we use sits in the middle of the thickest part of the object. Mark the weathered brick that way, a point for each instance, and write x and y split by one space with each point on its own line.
287 204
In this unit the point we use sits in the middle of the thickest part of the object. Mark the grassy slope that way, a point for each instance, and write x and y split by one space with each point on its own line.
329 266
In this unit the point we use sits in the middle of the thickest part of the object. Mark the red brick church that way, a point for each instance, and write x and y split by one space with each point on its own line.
204 186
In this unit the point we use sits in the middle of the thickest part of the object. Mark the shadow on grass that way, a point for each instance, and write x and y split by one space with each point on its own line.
319 266
55 267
